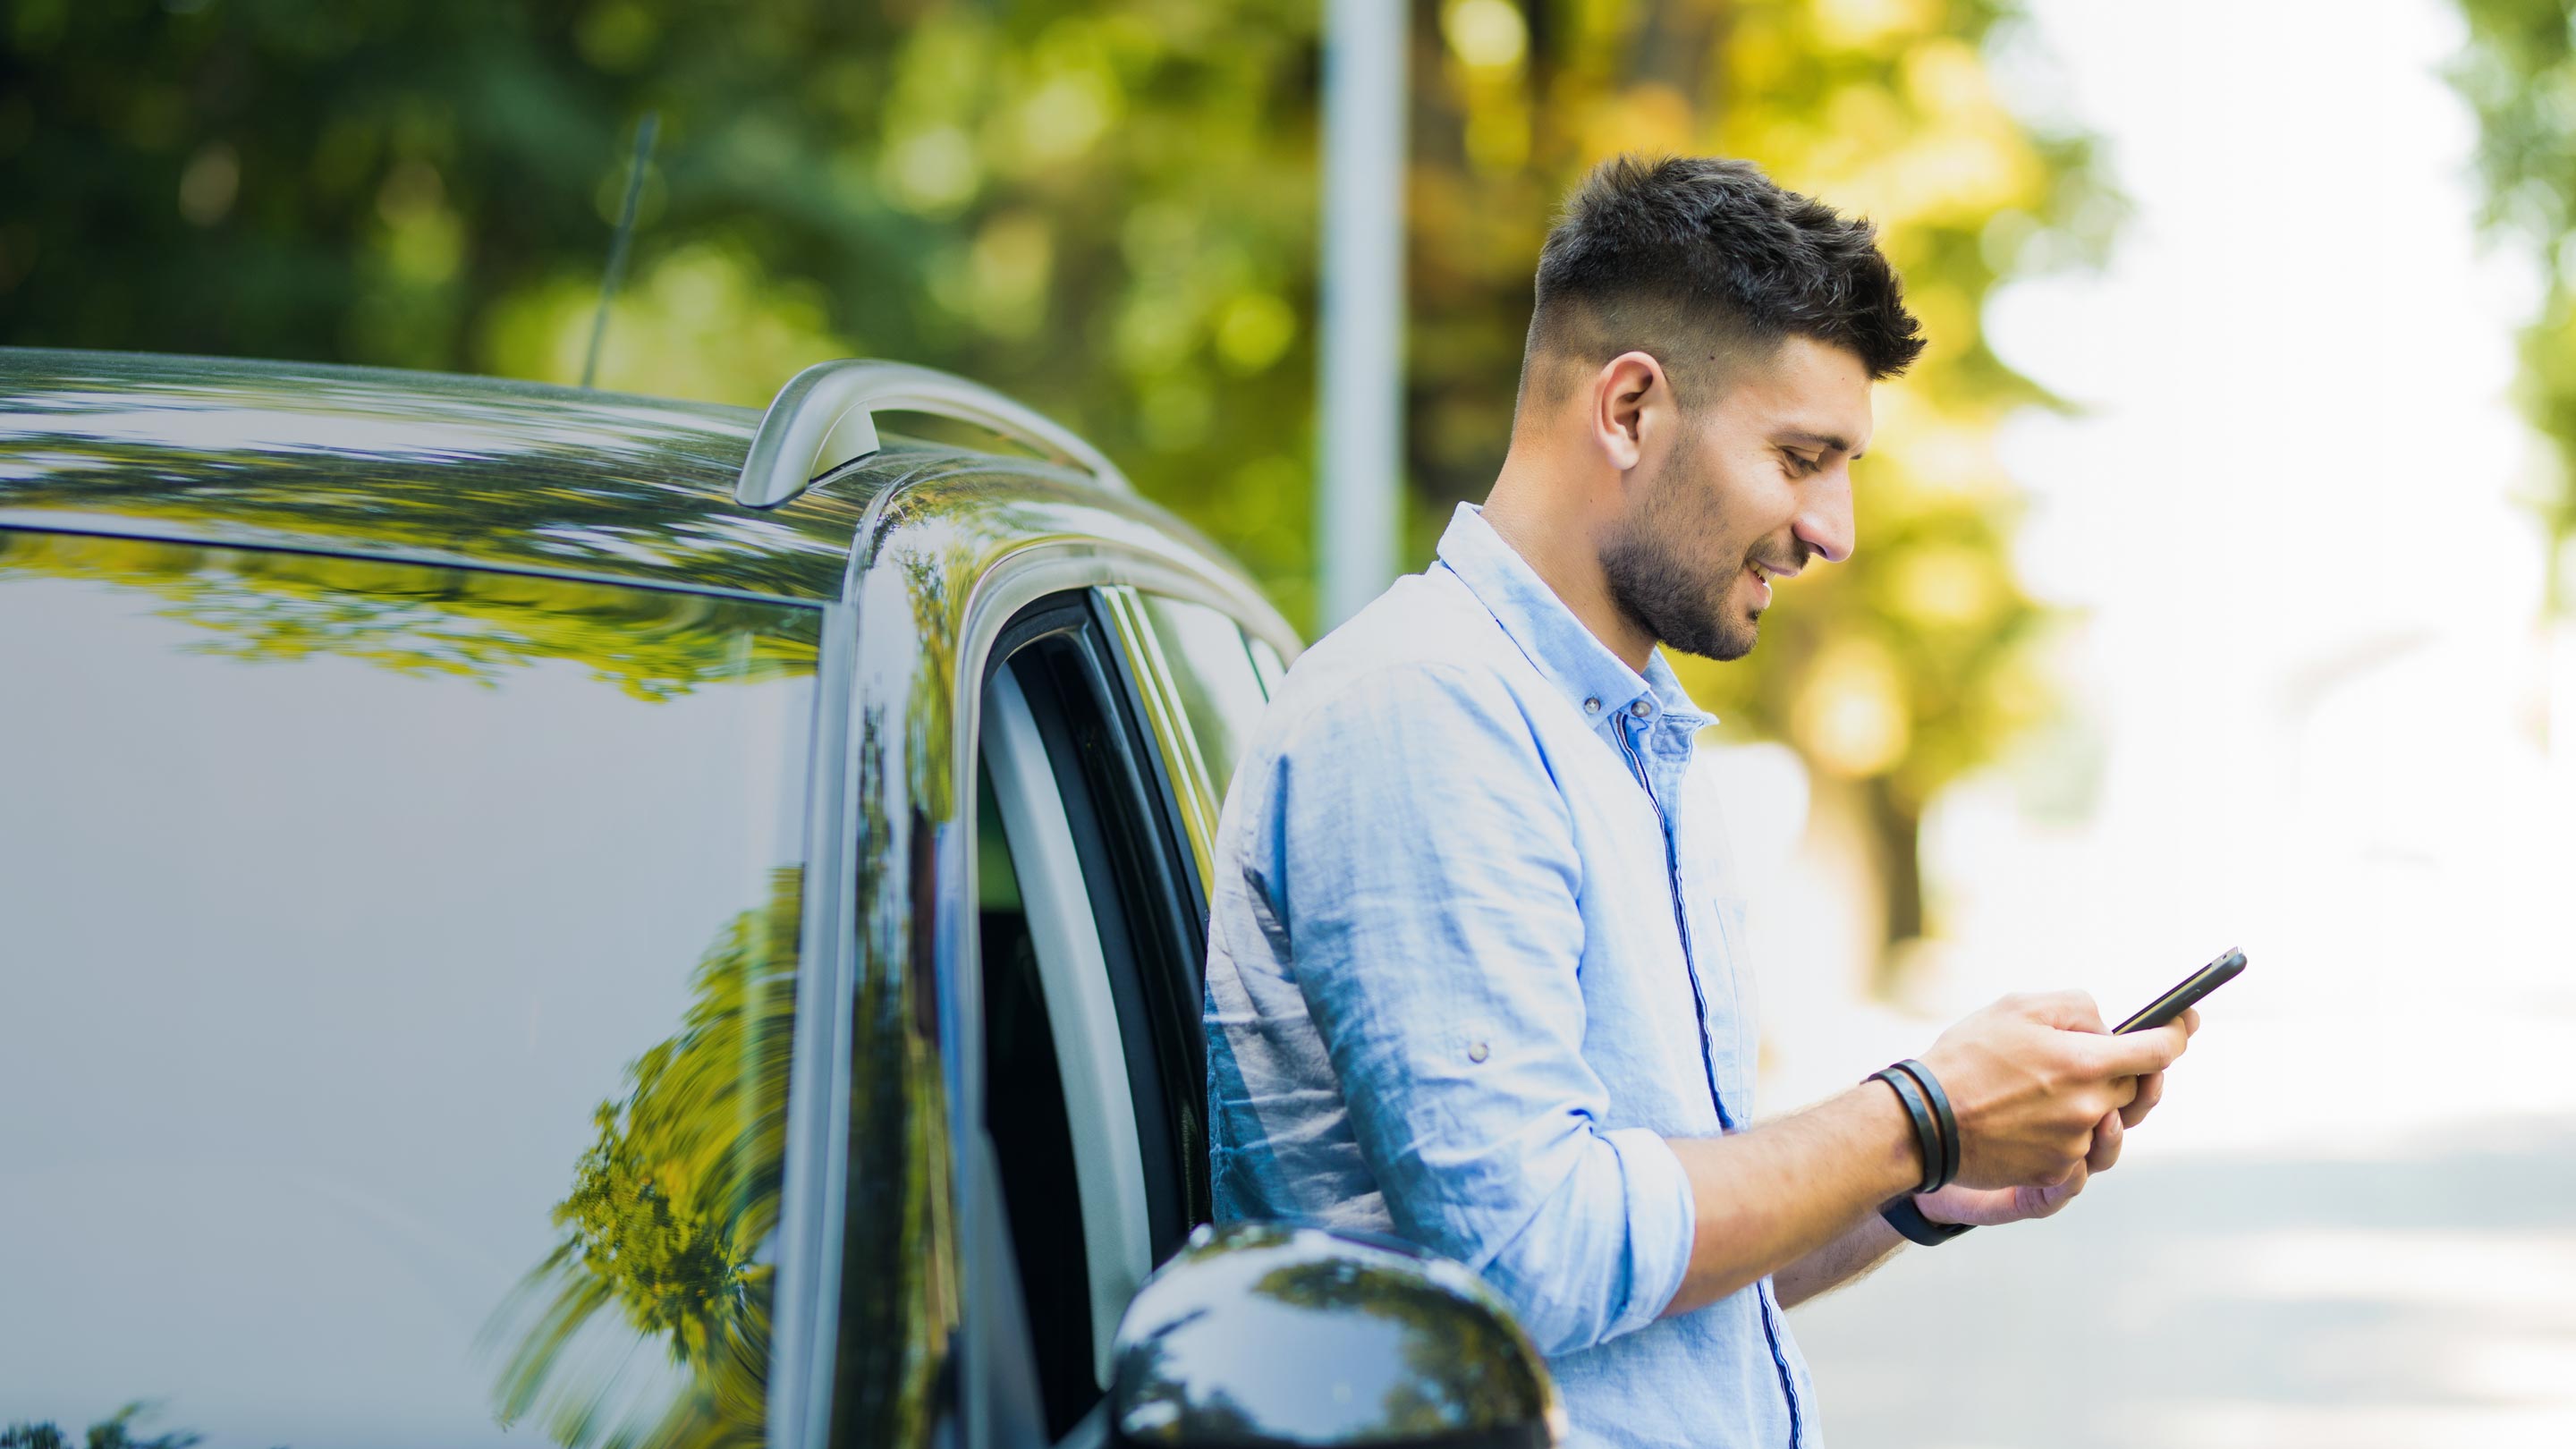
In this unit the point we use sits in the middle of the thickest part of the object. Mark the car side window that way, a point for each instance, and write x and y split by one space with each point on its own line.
1196 677
406 975
1212 670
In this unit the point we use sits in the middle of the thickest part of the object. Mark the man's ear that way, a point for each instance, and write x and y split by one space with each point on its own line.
1631 408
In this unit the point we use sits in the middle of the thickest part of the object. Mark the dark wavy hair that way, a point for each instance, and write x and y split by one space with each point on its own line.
1704 263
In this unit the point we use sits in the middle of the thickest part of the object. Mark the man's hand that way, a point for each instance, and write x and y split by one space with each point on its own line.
2043 1092
2024 1033
1991 1207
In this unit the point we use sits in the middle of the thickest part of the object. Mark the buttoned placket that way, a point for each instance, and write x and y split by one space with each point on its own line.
1640 713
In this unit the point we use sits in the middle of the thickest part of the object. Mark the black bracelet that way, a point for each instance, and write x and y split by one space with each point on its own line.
1927 1131
1931 1085
1906 1218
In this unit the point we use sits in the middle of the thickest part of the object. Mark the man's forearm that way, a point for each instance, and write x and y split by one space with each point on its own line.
1771 1197
1862 1247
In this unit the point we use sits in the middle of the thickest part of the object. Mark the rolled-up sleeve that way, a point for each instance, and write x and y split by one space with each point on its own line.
1424 868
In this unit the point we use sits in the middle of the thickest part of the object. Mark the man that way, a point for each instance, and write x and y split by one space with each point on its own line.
1475 968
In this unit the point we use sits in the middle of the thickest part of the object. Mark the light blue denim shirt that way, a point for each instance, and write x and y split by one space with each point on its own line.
1475 951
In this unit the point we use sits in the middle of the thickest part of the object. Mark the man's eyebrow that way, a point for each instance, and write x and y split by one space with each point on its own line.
1830 441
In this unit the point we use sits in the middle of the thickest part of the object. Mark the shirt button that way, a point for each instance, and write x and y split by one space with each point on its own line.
1592 706
1477 1052
1641 709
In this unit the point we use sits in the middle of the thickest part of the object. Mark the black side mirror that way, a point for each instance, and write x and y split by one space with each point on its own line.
1268 1334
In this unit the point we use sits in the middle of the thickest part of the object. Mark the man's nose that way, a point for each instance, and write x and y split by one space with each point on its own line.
1824 521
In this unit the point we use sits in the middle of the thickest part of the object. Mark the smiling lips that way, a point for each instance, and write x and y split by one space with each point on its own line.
1763 574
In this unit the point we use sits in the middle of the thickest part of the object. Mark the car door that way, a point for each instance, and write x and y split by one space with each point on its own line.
1029 902
1088 933
1111 721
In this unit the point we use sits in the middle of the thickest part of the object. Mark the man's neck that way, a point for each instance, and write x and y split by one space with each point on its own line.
1531 512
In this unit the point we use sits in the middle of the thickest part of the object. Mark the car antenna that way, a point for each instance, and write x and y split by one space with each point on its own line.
645 132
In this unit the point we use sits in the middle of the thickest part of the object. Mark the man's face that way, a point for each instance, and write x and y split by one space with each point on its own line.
1757 483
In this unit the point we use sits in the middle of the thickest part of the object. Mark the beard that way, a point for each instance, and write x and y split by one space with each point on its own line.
1656 583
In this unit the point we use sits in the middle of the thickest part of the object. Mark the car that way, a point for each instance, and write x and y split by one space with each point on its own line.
538 915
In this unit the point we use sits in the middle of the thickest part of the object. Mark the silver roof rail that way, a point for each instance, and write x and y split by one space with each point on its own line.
825 417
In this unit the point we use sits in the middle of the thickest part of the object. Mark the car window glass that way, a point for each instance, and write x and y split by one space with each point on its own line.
1212 671
402 965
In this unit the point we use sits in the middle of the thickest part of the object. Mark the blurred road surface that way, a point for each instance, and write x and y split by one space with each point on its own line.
2420 1297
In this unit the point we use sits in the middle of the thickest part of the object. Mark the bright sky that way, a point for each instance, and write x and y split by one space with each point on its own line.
2308 672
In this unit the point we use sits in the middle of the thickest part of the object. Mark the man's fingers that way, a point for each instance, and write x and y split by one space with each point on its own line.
2057 1194
2136 1054
2151 1089
2106 1143
2191 1021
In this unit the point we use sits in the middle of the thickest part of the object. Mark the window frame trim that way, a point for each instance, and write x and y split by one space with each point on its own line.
1109 1173
941 565
1025 582
1007 589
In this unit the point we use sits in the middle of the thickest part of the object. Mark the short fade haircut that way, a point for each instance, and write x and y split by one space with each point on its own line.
1701 262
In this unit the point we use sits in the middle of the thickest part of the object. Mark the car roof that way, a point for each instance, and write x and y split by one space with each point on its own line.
442 468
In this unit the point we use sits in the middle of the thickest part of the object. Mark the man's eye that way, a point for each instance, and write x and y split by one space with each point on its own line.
1801 465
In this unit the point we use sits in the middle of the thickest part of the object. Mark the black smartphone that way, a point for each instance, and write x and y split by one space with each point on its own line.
2195 986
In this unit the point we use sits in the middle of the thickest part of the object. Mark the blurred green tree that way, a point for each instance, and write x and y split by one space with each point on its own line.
2519 73
1106 207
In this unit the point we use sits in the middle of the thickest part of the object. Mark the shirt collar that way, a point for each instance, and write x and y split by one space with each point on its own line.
1572 657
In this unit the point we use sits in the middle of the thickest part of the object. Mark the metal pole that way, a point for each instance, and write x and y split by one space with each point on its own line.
1360 351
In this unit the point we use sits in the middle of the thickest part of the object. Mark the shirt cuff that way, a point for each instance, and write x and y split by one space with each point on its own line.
1663 1220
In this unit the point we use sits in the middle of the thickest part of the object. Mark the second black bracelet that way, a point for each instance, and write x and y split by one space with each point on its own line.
1927 1129
1909 1222
1949 1120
